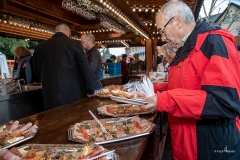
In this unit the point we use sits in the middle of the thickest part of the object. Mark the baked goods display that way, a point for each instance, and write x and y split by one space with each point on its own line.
117 110
13 133
118 129
116 90
57 151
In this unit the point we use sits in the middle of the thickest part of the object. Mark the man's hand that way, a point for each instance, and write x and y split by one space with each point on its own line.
152 101
90 95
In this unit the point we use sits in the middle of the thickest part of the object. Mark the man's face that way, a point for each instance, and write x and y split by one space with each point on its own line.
166 28
165 60
112 59
84 42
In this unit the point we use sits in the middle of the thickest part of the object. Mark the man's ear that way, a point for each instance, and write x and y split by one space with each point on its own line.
69 33
178 22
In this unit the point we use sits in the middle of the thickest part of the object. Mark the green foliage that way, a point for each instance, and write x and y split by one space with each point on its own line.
8 45
104 52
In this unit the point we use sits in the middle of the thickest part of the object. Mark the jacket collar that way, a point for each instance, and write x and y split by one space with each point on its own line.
59 34
185 50
93 48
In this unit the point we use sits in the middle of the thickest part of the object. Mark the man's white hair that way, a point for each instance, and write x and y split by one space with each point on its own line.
90 37
176 7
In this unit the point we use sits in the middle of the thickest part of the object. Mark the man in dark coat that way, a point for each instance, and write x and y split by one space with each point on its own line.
94 58
124 69
63 69
112 59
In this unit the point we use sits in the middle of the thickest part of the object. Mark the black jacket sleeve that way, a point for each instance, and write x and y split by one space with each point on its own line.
87 75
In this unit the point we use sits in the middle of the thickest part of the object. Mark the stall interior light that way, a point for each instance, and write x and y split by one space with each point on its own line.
29 24
96 31
149 23
140 8
125 44
113 10
114 41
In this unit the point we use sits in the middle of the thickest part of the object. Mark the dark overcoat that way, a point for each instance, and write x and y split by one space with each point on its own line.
63 69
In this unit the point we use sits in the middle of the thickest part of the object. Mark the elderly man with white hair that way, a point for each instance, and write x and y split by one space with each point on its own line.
203 96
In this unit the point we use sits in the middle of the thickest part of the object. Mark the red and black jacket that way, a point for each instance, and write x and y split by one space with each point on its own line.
203 96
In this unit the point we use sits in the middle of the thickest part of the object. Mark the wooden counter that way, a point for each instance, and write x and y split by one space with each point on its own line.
116 80
53 125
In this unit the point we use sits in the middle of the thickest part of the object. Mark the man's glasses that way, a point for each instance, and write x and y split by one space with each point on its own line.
162 29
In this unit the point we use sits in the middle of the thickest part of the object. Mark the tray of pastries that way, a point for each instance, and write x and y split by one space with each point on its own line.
107 91
118 129
120 110
14 133
89 151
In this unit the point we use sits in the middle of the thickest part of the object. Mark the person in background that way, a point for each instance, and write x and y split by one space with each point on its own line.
131 59
124 69
112 59
159 58
163 67
94 58
203 96
136 64
168 50
63 69
4 71
238 46
25 65
118 59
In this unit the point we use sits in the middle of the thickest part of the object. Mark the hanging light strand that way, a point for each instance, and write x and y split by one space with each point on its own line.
84 8
113 10
29 24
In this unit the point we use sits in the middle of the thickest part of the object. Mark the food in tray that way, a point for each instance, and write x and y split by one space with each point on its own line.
107 90
122 94
105 93
114 87
123 127
121 109
118 91
53 152
13 132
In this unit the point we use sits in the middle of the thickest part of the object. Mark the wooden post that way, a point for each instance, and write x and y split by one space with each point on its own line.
148 55
154 47
237 40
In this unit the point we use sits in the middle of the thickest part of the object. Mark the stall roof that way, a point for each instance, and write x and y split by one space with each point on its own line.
133 19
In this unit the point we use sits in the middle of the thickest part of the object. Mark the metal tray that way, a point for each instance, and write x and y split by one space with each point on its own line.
129 101
66 148
119 115
9 145
110 120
